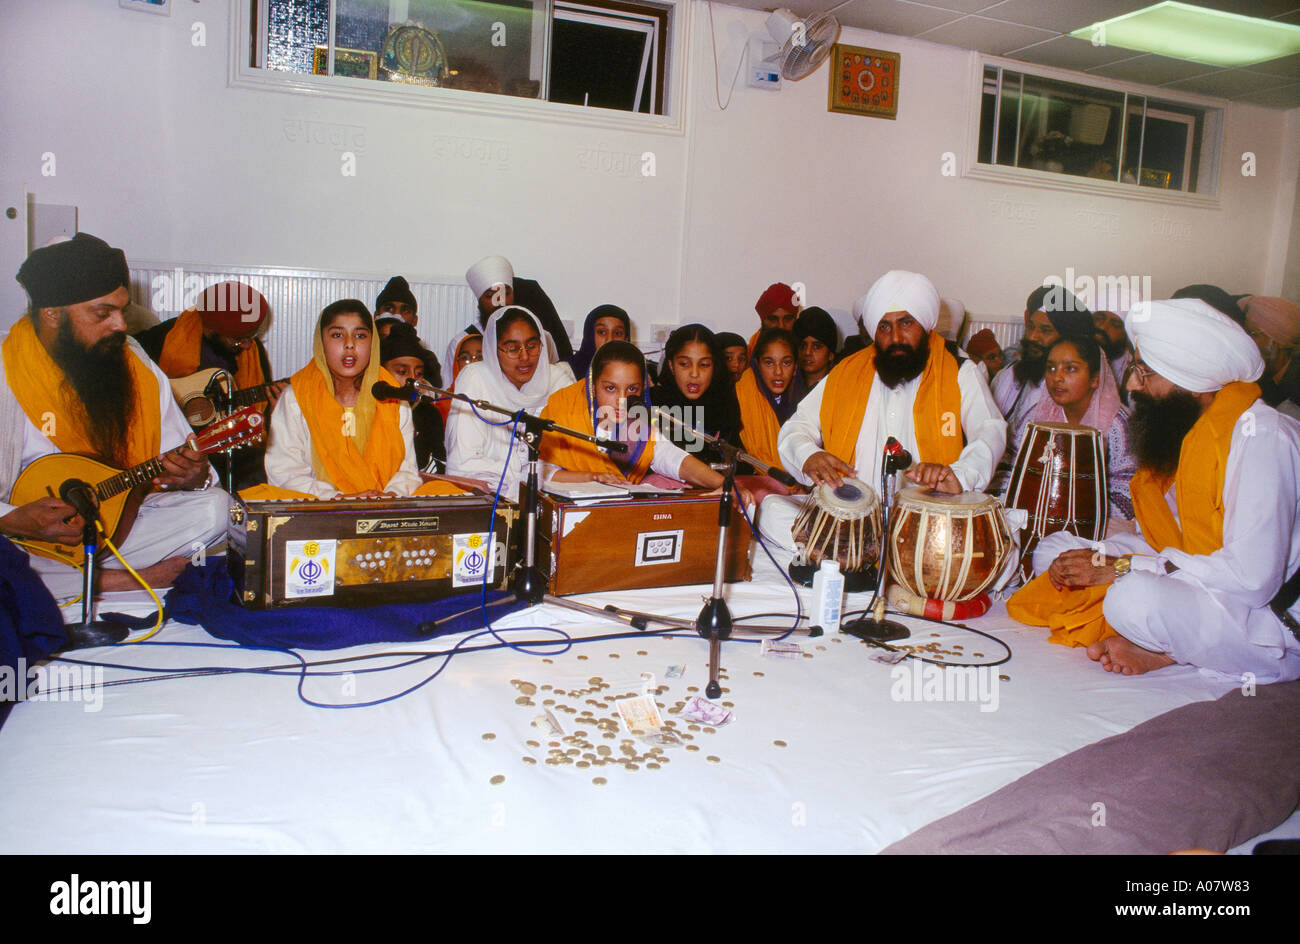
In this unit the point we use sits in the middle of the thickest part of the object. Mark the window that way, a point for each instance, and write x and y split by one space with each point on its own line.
607 54
1049 125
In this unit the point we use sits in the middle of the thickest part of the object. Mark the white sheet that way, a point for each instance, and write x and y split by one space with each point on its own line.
236 763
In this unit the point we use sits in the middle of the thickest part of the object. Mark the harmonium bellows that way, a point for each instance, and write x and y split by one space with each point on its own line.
364 552
637 543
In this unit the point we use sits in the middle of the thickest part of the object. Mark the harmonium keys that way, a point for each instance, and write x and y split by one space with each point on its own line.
366 552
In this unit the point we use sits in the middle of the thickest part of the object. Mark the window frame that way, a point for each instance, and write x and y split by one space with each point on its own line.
602 13
244 38
972 168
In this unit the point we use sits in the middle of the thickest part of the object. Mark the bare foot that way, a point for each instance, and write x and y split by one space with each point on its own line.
1117 654
161 574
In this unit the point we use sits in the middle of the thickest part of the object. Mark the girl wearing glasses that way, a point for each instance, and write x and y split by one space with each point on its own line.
517 373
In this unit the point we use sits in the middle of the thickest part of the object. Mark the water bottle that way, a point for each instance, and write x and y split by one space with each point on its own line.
828 596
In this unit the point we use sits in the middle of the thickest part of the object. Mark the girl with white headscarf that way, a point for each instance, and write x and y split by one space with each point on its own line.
516 373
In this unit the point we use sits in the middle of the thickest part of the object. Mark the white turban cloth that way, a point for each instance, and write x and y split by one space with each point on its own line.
899 291
487 272
1192 344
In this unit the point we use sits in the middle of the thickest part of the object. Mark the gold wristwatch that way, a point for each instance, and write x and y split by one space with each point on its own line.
1123 565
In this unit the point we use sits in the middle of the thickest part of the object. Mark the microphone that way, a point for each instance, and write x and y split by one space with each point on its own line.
896 457
81 496
386 391
782 476
612 445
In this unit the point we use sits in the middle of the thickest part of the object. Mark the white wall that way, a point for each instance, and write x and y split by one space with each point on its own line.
166 161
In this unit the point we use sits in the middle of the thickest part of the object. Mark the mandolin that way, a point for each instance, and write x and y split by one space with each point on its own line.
119 492
198 394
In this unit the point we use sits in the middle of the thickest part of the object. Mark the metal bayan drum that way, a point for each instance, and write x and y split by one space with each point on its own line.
947 547
840 524
1060 480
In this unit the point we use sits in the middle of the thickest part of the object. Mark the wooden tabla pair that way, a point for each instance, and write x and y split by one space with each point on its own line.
1060 480
945 551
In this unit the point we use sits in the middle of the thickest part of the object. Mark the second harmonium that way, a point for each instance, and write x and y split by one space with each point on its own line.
363 552
635 543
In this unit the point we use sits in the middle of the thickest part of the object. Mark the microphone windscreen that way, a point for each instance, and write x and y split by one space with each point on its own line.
386 391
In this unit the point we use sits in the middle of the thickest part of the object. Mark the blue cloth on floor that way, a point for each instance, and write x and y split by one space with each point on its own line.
206 597
31 625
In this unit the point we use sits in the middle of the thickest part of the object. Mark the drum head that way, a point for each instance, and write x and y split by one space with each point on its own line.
918 496
852 499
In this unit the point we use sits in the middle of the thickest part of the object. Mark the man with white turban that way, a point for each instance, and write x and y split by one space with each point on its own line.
1211 579
493 281
910 384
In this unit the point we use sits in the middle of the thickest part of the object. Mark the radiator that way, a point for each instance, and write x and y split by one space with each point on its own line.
1008 333
296 297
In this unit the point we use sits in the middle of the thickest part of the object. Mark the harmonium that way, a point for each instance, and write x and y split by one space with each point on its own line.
636 543
360 552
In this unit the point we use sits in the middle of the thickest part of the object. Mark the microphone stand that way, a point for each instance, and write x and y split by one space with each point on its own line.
90 632
527 581
876 628
714 622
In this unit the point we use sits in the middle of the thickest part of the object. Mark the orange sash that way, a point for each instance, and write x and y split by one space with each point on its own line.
180 353
937 407
1075 616
47 398
568 406
759 425
348 464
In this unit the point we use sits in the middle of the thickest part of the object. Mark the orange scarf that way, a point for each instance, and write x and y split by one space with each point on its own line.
568 406
937 406
759 425
368 458
50 403
1074 616
180 353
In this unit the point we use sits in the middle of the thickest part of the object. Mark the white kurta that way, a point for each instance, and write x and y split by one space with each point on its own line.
1017 403
889 413
169 524
1212 612
288 455
477 449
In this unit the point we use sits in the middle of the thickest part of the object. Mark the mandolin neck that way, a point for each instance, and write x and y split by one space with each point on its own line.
136 475
250 395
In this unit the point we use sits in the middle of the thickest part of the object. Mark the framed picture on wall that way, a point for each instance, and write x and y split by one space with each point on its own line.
863 81
161 7
359 63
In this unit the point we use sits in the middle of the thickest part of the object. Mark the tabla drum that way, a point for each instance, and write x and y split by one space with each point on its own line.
944 547
840 524
1059 478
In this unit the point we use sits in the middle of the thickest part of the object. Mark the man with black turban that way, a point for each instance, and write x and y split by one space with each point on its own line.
73 381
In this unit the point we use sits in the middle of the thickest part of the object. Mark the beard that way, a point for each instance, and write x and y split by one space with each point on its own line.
1157 427
899 363
101 378
1112 349
1032 366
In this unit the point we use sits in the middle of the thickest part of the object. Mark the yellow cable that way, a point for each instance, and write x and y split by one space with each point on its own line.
158 603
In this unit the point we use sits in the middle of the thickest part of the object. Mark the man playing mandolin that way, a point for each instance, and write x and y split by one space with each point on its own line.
72 381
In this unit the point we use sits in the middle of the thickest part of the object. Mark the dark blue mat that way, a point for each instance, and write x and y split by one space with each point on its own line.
31 626
206 597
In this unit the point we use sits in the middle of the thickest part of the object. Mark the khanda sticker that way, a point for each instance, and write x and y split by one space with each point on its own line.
309 568
471 559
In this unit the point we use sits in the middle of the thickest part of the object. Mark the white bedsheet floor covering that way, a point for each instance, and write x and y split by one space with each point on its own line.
238 763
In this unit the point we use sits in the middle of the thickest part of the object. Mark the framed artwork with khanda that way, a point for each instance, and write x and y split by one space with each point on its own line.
863 81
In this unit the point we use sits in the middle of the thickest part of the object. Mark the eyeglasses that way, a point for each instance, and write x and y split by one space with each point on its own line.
470 358
514 349
1139 372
